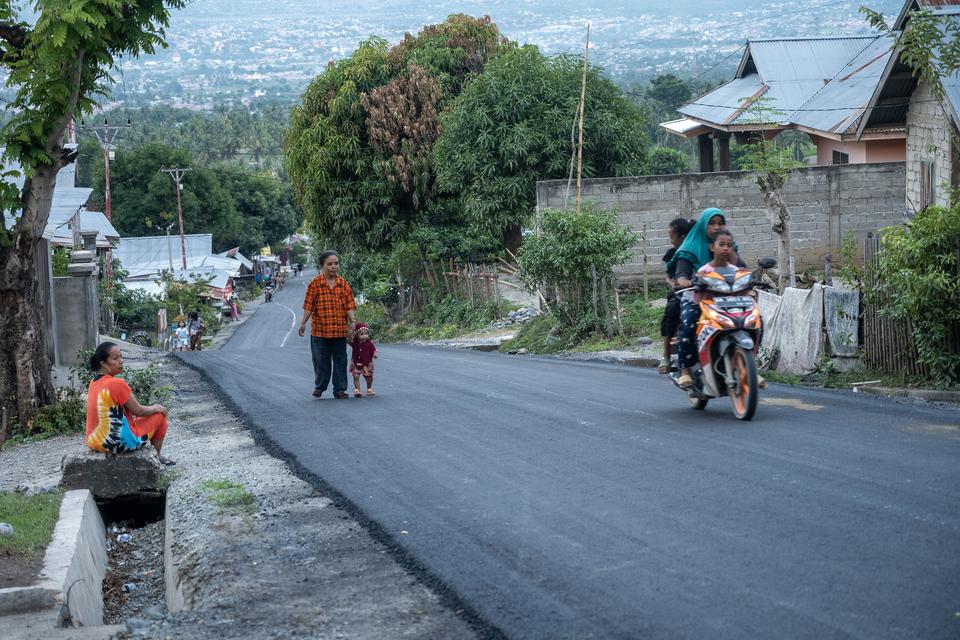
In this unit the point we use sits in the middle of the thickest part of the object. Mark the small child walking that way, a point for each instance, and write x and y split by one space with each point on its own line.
183 336
361 360
677 230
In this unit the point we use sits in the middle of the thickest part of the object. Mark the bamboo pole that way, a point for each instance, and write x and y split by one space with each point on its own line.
646 278
583 99
496 290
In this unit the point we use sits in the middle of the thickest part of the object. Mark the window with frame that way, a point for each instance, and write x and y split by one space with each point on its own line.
840 157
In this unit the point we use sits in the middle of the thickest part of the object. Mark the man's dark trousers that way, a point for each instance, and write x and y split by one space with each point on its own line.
324 352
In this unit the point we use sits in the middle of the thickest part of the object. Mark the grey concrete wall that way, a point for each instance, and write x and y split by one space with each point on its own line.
77 316
928 138
825 204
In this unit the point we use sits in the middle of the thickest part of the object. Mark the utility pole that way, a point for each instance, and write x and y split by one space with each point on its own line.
106 134
177 174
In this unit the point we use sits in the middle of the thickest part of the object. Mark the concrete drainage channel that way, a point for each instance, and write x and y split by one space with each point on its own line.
86 572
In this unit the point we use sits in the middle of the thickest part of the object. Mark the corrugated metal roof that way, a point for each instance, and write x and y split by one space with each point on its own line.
941 7
141 254
804 59
820 83
839 104
724 102
62 235
235 253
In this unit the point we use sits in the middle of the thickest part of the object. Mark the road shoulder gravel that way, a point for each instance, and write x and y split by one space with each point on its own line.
276 558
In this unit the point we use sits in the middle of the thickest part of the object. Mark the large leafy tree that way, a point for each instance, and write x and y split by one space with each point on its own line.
335 173
511 126
57 64
144 200
264 204
359 146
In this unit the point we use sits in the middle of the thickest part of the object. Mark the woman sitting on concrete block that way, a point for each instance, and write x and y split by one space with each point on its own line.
116 422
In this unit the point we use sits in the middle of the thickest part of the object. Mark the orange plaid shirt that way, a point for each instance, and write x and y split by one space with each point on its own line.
328 307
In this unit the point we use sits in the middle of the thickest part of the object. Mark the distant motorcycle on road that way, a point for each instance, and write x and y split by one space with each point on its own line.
268 294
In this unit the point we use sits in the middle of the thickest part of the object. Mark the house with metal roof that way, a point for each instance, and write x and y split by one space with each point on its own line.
820 86
902 100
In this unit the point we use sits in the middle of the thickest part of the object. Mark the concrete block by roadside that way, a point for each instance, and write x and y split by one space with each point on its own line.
109 476
71 581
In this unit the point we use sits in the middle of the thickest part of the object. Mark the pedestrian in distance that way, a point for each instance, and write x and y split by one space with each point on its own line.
196 328
330 308
116 421
182 336
363 352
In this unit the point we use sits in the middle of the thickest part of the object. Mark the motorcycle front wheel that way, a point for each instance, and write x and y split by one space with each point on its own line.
743 396
697 403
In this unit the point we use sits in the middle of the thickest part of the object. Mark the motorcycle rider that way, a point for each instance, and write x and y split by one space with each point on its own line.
689 258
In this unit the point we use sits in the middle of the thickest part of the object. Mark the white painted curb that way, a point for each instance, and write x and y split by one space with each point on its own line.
73 568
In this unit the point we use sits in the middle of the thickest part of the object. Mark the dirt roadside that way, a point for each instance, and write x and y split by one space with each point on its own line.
295 560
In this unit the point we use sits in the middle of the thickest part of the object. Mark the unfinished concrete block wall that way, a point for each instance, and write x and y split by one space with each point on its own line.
825 204
928 140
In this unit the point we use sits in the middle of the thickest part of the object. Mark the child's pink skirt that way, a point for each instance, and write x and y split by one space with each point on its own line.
356 369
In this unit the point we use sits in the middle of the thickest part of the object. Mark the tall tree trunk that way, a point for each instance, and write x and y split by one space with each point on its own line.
25 379
771 186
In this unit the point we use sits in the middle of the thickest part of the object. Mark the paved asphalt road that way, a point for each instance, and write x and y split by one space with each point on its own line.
574 500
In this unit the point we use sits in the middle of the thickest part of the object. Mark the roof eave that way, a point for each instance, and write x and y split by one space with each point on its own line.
877 91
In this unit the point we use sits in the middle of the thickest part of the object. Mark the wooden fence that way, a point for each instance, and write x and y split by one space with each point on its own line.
478 283
888 344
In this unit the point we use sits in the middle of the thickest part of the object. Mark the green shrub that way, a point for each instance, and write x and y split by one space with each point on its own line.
666 161
375 316
569 250
918 281
67 415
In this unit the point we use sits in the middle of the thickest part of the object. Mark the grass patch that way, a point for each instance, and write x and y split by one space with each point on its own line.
229 496
546 334
440 318
33 519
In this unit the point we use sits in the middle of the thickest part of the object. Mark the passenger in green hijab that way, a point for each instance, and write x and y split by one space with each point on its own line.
696 246
696 250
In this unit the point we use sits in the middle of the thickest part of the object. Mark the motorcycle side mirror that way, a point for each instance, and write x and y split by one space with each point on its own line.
767 263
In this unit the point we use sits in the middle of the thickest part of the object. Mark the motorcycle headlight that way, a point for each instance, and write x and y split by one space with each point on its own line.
742 282
718 286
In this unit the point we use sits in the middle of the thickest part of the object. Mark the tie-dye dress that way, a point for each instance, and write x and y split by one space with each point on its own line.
110 427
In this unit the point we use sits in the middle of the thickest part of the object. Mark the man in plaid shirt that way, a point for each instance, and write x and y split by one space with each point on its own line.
330 308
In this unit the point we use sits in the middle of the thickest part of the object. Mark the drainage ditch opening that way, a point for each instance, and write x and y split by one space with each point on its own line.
133 511
134 583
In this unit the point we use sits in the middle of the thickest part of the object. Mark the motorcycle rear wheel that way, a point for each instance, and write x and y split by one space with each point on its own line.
743 397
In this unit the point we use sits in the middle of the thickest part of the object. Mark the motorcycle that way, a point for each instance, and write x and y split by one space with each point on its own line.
728 337
268 294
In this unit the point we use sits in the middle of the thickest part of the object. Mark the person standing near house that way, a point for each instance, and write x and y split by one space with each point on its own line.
330 308
195 329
